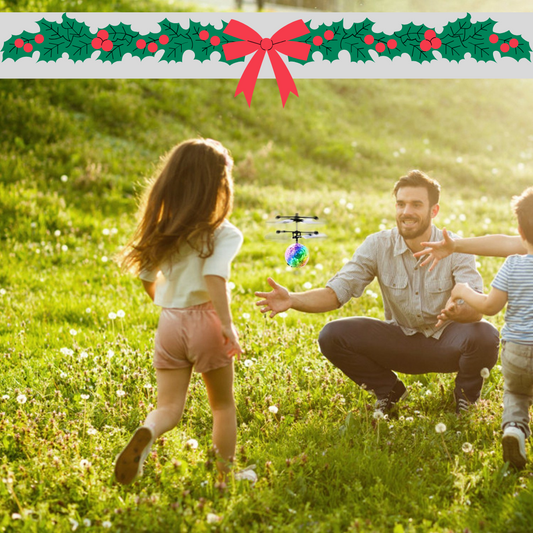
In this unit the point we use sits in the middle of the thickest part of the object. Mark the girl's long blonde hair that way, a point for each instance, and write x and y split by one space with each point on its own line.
190 197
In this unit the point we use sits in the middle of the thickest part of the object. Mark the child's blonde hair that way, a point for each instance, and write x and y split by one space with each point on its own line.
523 208
190 197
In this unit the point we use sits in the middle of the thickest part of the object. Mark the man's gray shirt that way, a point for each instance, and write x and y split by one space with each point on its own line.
412 296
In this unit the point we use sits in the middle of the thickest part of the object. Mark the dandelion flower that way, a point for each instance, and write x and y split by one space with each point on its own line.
84 355
84 396
105 260
73 332
21 398
63 375
114 231
378 415
485 373
283 315
73 523
57 233
88 310
248 363
85 464
112 315
319 266
245 316
327 210
5 397
105 231
349 206
273 409
440 427
64 178
110 354
107 524
147 385
192 443
92 431
308 285
87 522
467 447
121 393
121 313
64 248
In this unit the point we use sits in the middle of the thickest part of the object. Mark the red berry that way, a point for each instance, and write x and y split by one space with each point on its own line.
429 35
152 47
493 38
28 47
504 47
19 43
317 40
163 39
40 38
380 47
97 43
436 43
328 35
369 39
392 44
141 43
103 35
513 43
107 46
425 46
204 35
215 40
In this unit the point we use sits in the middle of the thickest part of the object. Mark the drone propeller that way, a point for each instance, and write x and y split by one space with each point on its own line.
295 219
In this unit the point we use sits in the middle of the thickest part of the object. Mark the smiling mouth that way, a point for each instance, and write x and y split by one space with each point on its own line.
409 222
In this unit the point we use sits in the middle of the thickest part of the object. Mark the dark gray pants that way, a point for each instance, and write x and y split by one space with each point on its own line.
368 350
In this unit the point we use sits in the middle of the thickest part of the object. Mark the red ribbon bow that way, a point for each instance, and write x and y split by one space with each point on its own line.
253 42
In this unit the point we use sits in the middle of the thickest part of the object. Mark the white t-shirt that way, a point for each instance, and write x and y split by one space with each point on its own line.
180 280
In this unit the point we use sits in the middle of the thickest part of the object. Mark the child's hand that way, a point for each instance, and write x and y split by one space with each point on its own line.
436 250
231 340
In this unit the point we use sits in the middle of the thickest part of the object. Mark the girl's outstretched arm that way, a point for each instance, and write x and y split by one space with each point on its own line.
218 291
149 287
490 245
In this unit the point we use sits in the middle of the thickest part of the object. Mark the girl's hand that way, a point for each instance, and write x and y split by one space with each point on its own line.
231 341
436 250
276 301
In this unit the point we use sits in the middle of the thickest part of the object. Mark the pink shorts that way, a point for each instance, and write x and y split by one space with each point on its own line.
190 337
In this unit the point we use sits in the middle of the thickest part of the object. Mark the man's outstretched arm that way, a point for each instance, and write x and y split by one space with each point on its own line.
280 299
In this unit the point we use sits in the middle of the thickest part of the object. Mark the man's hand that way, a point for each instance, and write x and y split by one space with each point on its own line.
436 250
458 311
276 301
231 341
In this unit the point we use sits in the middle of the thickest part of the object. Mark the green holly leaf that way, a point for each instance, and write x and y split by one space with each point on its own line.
353 40
179 41
208 39
325 39
409 40
522 50
461 36
11 51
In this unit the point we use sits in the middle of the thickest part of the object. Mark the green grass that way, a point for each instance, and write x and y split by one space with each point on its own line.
323 462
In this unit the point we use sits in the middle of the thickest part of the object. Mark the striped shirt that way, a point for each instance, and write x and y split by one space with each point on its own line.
412 296
516 279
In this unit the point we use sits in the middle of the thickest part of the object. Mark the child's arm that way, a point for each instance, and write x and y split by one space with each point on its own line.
488 304
491 245
218 292
149 287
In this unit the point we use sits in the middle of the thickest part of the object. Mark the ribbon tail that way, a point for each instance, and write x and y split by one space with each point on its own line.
286 84
249 76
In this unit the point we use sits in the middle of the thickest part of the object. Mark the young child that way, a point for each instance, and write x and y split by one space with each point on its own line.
513 285
182 251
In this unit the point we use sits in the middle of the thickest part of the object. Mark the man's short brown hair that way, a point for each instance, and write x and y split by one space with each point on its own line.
523 208
417 178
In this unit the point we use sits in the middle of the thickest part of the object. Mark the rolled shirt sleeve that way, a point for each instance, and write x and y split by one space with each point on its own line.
464 271
228 241
356 274
149 275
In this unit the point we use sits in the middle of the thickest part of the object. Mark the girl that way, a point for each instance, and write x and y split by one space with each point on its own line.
182 251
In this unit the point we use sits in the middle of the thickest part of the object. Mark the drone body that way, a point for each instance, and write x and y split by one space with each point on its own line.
296 255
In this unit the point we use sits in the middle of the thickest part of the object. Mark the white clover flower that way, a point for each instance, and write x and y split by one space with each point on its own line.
107 524
319 266
85 464
248 363
21 398
57 233
245 316
212 518
73 523
5 397
440 427
467 447
308 285
485 373
147 386
16 516
92 431
84 396
88 310
307 369
105 231
110 354
192 443
273 409
357 230
87 522
487 220
283 315
84 355
112 315
64 178
378 414
63 375
114 231
231 285
121 393
105 260
121 313
409 419
327 210
66 351
73 332
64 248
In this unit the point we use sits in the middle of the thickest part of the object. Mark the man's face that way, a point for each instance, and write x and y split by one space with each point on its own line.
413 212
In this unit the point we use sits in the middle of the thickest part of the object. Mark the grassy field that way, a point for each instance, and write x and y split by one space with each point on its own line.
74 382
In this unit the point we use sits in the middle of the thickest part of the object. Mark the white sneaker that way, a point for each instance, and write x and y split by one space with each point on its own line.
514 446
129 464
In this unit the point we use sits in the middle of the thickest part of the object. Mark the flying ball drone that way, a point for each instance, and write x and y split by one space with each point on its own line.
296 255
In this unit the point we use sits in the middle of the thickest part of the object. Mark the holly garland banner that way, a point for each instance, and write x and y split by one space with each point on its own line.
456 40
